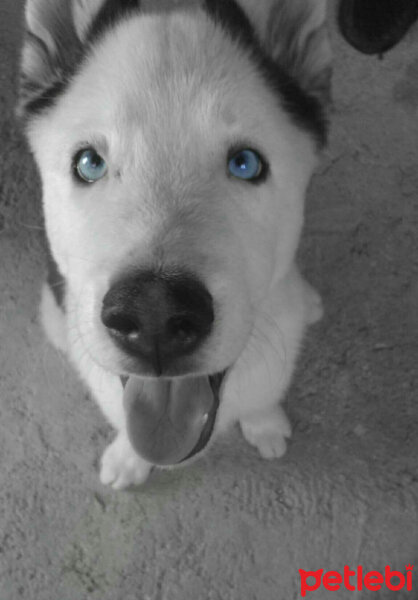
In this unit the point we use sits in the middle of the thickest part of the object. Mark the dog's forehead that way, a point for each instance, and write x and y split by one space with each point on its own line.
162 70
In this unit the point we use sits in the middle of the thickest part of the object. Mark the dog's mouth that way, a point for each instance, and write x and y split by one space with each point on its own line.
171 420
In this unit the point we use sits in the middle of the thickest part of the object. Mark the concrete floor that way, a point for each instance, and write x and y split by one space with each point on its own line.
232 526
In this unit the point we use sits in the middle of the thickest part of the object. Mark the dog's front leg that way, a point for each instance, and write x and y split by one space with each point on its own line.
121 466
258 381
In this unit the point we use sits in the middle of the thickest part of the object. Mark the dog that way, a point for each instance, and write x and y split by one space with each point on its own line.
175 148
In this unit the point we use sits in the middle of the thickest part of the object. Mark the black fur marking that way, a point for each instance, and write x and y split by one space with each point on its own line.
56 281
110 13
45 99
229 14
306 110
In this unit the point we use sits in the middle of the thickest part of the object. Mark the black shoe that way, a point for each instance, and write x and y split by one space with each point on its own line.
375 26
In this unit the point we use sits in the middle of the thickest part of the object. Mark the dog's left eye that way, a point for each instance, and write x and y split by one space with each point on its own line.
89 166
246 164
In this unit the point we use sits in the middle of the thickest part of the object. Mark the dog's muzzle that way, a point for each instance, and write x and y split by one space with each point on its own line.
171 420
161 318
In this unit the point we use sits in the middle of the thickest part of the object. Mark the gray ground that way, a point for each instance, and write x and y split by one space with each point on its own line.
232 526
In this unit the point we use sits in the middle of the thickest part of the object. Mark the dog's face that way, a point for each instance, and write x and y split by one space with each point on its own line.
174 170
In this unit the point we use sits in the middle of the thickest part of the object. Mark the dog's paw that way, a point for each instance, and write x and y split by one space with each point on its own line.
267 431
121 467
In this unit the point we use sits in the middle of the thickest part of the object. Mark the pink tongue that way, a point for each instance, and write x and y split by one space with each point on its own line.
166 418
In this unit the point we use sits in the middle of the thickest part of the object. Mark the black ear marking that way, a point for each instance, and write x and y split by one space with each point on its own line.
305 109
110 13
232 17
44 98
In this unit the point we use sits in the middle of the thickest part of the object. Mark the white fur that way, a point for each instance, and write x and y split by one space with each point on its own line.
164 123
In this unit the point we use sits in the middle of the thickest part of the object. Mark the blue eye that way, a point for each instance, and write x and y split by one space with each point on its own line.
89 166
246 164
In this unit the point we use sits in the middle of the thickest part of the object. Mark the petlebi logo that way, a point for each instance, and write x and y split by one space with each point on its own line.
356 580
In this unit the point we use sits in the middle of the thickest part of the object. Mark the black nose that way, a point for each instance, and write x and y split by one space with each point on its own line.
158 316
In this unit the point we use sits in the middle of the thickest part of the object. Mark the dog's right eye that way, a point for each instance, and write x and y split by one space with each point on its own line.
89 166
248 165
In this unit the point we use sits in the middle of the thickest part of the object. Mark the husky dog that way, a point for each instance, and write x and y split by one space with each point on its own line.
175 148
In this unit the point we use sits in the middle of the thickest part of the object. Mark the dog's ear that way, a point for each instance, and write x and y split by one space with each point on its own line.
84 13
296 37
293 34
55 31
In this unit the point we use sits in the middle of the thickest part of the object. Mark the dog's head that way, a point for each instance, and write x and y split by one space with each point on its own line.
175 149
